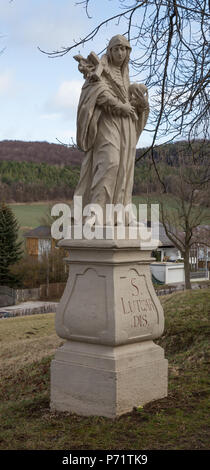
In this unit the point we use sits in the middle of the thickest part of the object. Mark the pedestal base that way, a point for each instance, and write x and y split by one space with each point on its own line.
109 314
94 379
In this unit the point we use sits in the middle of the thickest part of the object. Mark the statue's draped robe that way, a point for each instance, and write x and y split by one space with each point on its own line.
109 142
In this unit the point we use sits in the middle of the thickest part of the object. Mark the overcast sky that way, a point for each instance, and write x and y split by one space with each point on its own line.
39 95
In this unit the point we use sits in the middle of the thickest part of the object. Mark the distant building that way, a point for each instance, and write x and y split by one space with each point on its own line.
39 241
200 250
166 249
165 270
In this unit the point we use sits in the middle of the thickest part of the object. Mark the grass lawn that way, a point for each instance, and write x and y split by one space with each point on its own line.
179 421
170 207
29 215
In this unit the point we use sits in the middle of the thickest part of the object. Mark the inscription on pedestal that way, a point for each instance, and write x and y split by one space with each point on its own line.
137 307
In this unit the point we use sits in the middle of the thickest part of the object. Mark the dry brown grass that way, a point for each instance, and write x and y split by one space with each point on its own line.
27 339
179 421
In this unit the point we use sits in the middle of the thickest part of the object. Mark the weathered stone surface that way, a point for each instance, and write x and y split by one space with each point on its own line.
92 379
109 314
109 298
112 113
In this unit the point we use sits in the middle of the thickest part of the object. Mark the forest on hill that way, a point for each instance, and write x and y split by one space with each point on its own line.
61 155
38 152
29 182
40 171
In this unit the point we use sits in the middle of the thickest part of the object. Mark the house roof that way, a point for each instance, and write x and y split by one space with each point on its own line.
201 235
165 241
43 231
158 233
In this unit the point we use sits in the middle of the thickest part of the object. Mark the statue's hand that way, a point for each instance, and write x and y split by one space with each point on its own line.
128 110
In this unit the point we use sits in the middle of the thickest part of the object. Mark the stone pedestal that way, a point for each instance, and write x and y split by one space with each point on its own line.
109 314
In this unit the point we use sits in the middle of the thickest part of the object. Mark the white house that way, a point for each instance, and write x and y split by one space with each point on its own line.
167 271
166 249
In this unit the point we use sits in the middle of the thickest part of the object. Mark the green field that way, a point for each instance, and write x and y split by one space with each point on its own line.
179 421
29 215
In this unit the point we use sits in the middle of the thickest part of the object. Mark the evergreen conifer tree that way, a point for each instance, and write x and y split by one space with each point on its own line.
10 248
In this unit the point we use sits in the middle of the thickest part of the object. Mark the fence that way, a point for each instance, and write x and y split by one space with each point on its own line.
52 291
22 295
201 274
9 296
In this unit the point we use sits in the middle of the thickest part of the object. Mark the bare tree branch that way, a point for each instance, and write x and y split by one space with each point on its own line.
170 39
189 214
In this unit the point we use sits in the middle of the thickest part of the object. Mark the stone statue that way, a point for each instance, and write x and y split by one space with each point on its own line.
109 313
111 116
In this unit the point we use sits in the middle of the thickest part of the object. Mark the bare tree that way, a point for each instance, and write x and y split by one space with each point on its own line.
170 55
183 225
170 43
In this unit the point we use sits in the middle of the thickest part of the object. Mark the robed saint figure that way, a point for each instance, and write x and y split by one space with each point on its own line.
112 113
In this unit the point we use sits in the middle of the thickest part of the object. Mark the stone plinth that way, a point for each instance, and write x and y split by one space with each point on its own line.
109 314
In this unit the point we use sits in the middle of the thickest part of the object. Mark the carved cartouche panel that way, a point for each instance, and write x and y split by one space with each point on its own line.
85 314
138 312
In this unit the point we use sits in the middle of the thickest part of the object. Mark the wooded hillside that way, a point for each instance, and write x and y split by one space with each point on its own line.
37 152
40 171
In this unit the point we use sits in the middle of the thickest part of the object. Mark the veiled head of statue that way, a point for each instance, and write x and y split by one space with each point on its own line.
118 40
